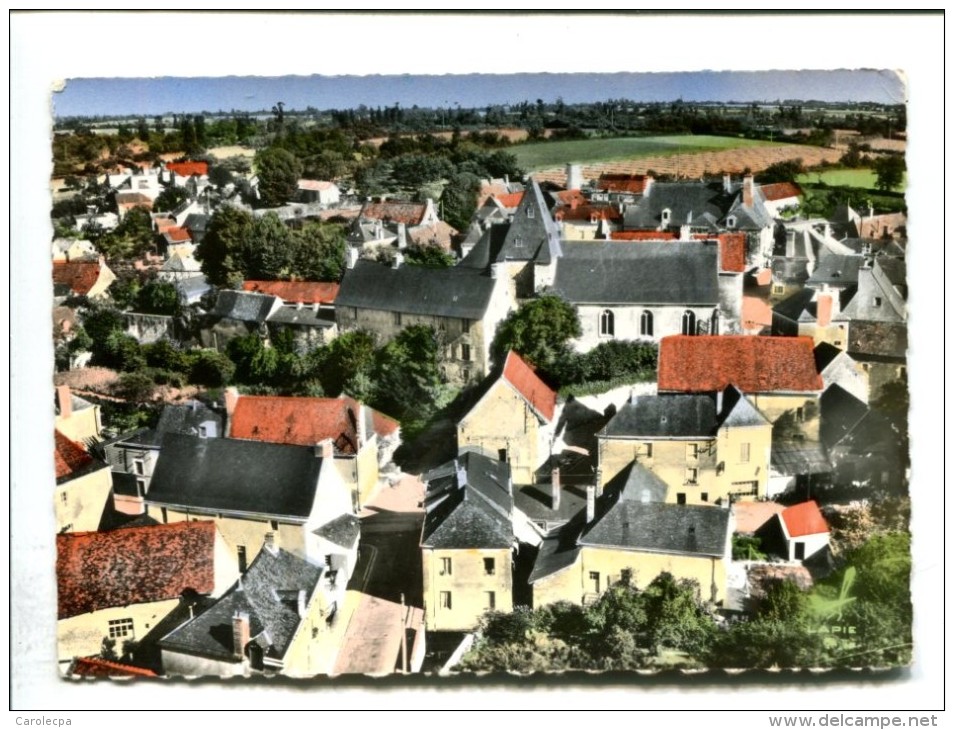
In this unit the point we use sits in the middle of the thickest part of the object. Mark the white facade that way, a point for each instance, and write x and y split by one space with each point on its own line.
637 322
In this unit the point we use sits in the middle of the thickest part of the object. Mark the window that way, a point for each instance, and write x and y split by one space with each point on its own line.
273 524
121 628
730 221
744 453
688 323
607 324
692 452
139 467
140 487
445 598
64 497
877 301
666 216
165 516
465 326
530 211
203 432
465 352
242 559
778 289
799 414
397 319
502 455
692 475
681 498
489 566
714 323
704 496
649 451
595 581
646 323
799 551
490 600
518 242
446 566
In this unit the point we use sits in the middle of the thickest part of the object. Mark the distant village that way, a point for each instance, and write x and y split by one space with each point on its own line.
459 472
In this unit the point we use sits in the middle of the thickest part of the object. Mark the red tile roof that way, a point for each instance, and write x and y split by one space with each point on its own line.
622 183
731 249
314 185
69 456
79 276
780 191
177 234
163 223
188 169
706 363
408 213
804 519
571 197
306 292
97 570
92 666
755 313
587 213
750 516
538 394
303 421
509 200
642 236
133 199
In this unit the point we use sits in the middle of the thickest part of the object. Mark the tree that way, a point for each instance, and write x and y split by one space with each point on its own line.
318 252
222 251
785 171
540 331
267 254
349 358
429 255
407 375
278 174
159 297
170 198
459 199
211 368
890 172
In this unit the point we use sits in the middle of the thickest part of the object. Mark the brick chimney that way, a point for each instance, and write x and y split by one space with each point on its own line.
727 183
824 307
271 542
64 399
231 400
574 177
555 490
361 428
241 634
590 504
748 191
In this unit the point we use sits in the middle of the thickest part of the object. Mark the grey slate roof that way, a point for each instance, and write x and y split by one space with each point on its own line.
838 270
885 341
738 411
304 317
343 530
793 307
187 418
469 504
794 458
243 306
193 287
649 272
825 353
557 552
268 593
666 415
636 483
487 249
533 235
700 205
233 475
536 502
841 412
452 292
661 528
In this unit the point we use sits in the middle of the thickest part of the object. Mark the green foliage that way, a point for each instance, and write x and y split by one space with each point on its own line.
318 252
120 352
459 199
785 171
159 297
222 251
889 170
429 255
254 362
211 368
170 198
348 358
135 386
132 238
614 361
746 547
406 376
540 331
278 174
164 355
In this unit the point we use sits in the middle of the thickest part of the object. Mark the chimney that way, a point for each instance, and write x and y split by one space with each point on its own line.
647 184
727 183
748 191
402 236
241 633
302 603
360 426
827 232
353 255
64 399
824 306
718 401
685 233
325 449
495 270
298 306
378 229
574 177
398 260
461 474
271 542
789 244
590 504
555 490
231 400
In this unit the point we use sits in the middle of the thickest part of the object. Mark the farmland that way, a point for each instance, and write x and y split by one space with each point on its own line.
863 178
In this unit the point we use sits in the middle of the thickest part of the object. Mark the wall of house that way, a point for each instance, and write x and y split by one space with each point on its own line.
105 280
667 320
881 374
848 374
774 405
610 563
220 334
82 425
670 461
502 420
149 328
746 455
564 585
83 635
79 503
367 470
311 650
812 543
175 664
468 586
730 304
306 338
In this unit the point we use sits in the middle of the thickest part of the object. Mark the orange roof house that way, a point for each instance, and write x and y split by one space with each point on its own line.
624 183
797 533
295 292
515 420
697 364
643 236
188 168
71 459
804 519
81 278
780 191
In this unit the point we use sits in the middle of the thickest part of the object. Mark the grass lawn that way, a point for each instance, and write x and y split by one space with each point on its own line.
843 178
539 155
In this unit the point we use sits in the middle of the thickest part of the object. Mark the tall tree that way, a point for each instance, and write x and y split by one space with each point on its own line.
222 251
540 330
278 174
889 170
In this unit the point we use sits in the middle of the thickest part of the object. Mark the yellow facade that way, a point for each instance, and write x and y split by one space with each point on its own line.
79 503
461 585
82 425
502 424
83 635
802 407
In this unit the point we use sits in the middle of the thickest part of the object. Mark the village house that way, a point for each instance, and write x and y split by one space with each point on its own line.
648 290
77 418
705 448
777 374
626 532
363 439
236 314
74 249
322 192
799 532
467 542
251 489
308 310
614 187
277 619
781 197
387 222
115 586
837 367
847 222
81 279
461 305
516 419
83 487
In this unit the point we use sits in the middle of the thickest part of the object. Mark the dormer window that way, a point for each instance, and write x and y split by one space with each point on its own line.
666 216
518 242
530 212
731 221
877 301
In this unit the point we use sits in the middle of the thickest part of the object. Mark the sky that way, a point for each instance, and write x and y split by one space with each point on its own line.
159 95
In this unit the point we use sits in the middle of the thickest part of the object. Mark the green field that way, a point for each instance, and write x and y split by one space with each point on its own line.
539 155
865 179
